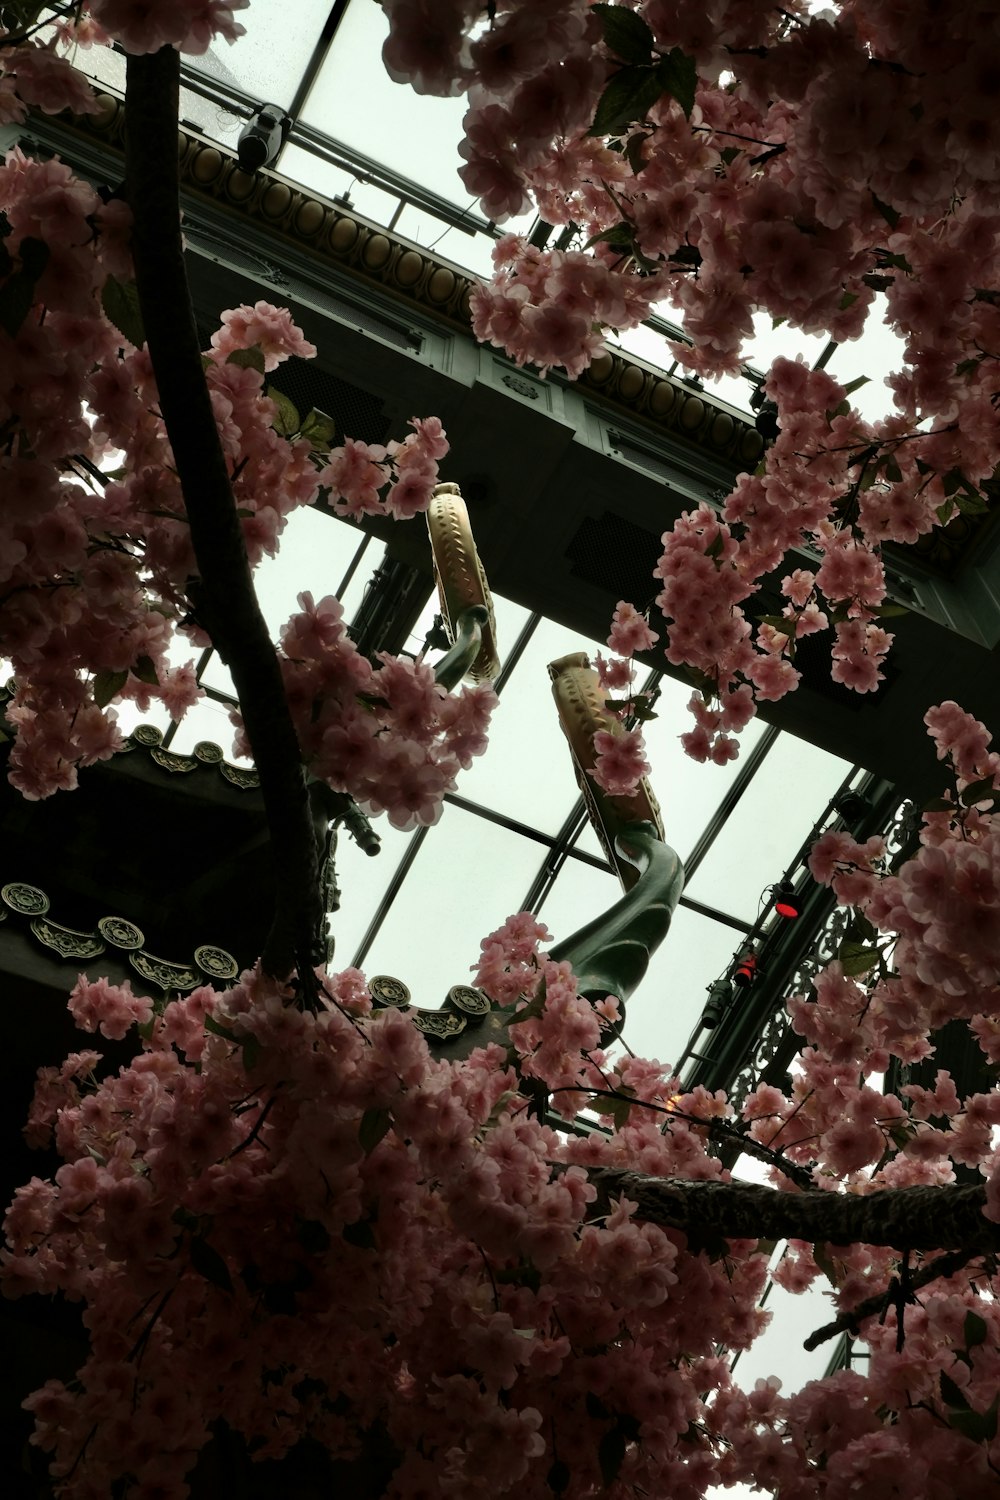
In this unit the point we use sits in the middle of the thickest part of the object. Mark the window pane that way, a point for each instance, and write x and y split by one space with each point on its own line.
768 826
668 1003
353 72
270 59
468 876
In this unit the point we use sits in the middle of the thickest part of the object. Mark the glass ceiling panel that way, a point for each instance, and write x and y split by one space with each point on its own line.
579 893
363 880
383 128
768 826
207 720
269 60
468 876
316 550
668 1003
527 771
688 793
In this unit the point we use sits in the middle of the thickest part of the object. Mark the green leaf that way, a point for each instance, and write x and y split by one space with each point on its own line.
974 1330
251 1051
558 1477
978 791
360 1235
312 1236
375 1123
617 1108
945 512
951 1394
977 1426
679 78
952 481
209 1263
856 958
319 429
212 1025
629 95
146 671
107 685
523 1275
287 421
840 410
633 154
619 236
900 263
891 469
860 930
887 211
247 359
938 804
971 505
966 366
714 548
34 255
611 1454
856 384
18 293
847 300
624 33
120 300
890 611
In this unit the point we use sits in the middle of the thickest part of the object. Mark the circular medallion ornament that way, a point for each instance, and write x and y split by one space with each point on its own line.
473 1002
216 962
208 753
147 734
27 899
385 990
121 934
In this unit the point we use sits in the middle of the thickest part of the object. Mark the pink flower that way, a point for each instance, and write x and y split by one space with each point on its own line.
621 762
630 633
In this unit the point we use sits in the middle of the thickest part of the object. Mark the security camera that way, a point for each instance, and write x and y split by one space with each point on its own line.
262 137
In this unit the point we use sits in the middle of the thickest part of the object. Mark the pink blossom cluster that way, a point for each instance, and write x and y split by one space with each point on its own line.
96 572
357 471
147 25
389 735
220 1191
621 762
545 307
813 159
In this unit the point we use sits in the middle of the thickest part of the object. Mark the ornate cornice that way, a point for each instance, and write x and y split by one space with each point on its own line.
206 753
331 234
209 963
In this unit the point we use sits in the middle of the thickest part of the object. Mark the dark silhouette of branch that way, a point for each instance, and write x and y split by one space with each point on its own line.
850 1322
224 595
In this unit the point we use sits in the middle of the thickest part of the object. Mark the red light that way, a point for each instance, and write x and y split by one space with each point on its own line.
786 903
746 970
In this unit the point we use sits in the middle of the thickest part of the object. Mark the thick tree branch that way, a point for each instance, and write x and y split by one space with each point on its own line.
917 1218
227 604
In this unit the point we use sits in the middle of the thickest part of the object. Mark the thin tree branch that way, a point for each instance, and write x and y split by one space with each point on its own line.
224 594
850 1322
916 1218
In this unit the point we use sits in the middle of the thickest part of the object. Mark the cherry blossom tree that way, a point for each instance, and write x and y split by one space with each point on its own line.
735 157
290 1225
